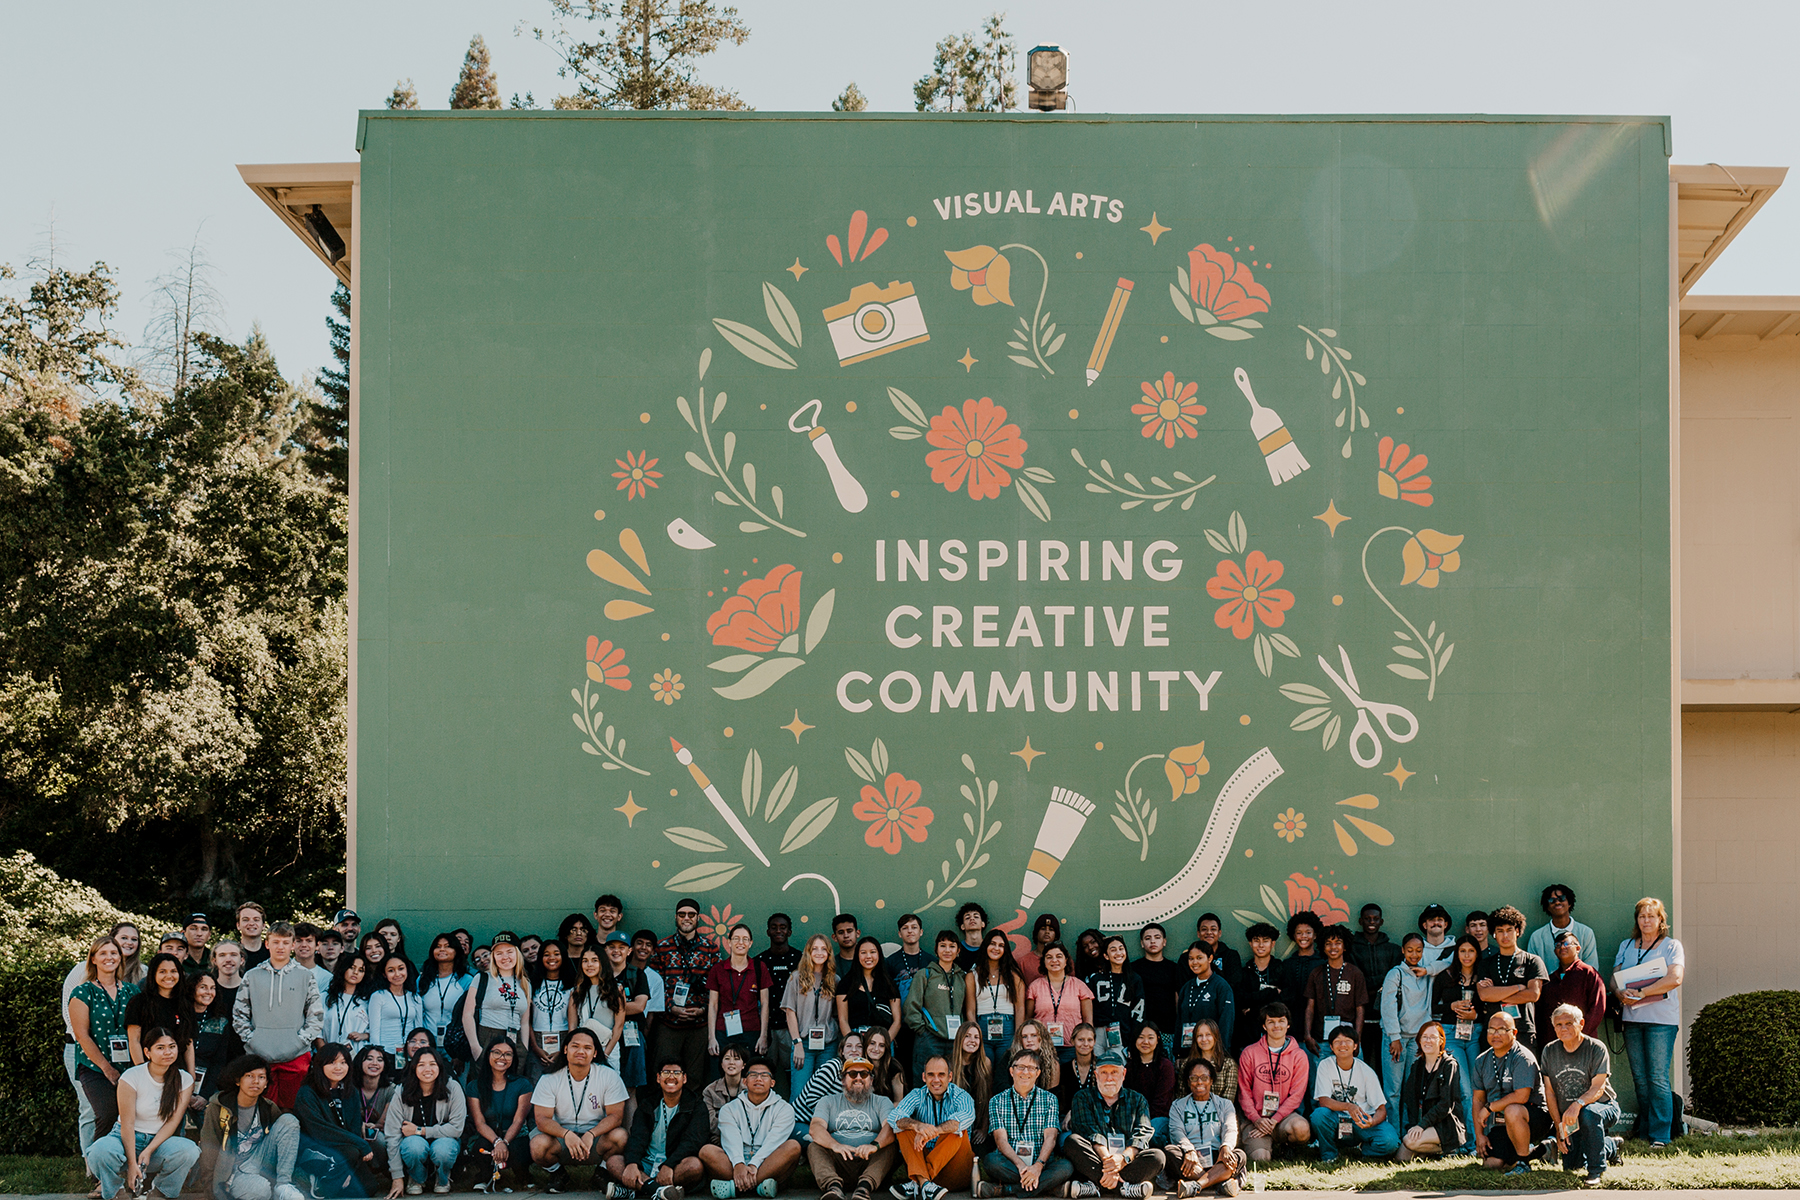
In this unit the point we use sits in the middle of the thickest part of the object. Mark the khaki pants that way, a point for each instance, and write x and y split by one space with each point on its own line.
829 1168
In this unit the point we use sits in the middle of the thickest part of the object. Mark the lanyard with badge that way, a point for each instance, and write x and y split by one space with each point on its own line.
1271 1099
573 1102
996 1020
1346 1092
633 1031
815 1035
440 989
1056 1027
118 1045
1023 1126
1207 1117
734 1019
1335 987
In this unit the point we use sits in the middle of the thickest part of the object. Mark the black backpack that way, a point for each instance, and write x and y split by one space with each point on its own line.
456 1042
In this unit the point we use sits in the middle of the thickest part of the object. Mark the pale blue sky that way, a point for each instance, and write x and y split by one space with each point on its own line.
128 118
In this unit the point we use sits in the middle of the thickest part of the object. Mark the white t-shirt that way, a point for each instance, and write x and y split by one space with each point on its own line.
550 1007
1360 1085
579 1105
149 1096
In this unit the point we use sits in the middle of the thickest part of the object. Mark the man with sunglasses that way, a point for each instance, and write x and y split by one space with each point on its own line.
682 960
1558 903
662 1158
850 1135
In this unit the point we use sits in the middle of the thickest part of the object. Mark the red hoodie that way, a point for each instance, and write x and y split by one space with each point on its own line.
1262 1070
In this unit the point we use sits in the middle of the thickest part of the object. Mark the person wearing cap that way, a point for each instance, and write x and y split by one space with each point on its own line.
173 942
850 1135
757 1150
348 925
1573 982
1558 903
1440 947
661 1160
195 935
1110 1134
683 959
932 1124
1349 1105
1023 1123
634 990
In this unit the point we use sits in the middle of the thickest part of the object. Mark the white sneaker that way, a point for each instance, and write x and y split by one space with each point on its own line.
287 1191
1134 1191
414 1188
439 1188
932 1191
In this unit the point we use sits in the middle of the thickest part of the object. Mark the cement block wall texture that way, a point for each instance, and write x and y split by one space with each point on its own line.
1740 853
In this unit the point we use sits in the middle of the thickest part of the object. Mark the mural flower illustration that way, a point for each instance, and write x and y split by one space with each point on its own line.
1168 409
1290 825
1248 595
666 686
606 664
1184 766
1310 895
976 445
635 475
764 616
859 224
1219 293
890 813
716 925
1399 478
1427 553
983 271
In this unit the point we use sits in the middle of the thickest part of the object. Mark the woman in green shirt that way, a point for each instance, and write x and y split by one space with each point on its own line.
97 1015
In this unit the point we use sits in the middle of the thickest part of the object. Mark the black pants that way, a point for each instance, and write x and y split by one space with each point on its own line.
688 1046
1145 1166
518 1157
1500 1141
102 1097
337 1176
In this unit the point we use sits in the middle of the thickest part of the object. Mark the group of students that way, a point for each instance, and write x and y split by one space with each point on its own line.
327 1055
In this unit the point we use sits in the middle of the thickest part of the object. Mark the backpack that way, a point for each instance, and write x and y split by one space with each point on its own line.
456 1041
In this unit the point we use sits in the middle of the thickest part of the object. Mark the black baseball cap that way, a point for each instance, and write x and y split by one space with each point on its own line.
199 918
346 914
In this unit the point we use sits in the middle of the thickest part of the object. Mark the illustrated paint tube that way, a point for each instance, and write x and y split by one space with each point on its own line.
1063 822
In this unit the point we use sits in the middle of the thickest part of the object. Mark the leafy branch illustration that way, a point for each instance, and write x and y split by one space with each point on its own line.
872 768
1136 817
1137 493
1025 481
1038 339
1348 379
731 494
1319 711
602 743
756 345
811 821
1235 540
971 856
1427 647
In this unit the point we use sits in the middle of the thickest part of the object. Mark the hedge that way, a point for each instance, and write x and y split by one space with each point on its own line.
1744 1059
37 1106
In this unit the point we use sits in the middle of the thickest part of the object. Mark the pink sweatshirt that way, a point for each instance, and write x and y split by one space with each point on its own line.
1260 1070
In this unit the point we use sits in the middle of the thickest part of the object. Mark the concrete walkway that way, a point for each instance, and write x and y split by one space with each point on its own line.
1694 1194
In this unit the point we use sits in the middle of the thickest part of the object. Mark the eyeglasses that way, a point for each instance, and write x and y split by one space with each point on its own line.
759 1075
671 1072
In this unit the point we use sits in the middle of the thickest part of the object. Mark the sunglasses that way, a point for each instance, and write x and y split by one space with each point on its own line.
856 1075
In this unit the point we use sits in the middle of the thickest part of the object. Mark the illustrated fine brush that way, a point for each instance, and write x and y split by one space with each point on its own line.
1277 445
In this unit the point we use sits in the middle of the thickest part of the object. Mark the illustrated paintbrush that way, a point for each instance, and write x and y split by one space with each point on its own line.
685 757
1280 454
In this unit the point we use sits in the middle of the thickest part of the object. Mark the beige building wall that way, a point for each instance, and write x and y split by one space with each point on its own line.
1740 659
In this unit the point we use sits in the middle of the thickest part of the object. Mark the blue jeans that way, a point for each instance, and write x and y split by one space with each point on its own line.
813 1060
1377 1141
1465 1054
1587 1149
168 1169
84 1123
998 1169
416 1153
257 1174
1649 1047
1393 1074
996 1047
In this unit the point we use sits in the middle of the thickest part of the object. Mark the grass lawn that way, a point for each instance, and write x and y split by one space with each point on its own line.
27 1175
1762 1161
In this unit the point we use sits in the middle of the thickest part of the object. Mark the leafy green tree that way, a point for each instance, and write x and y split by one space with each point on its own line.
641 54
850 99
970 74
327 432
476 85
404 95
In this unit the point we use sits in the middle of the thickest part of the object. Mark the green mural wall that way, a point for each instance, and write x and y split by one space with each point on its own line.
1115 517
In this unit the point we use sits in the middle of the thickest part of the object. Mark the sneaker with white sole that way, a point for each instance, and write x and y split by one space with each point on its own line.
672 1191
287 1191
414 1188
1135 1191
1187 1189
1082 1189
440 1188
1230 1187
904 1191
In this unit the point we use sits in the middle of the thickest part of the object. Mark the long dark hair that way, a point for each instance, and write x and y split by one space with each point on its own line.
185 994
149 985
483 1072
1083 965
428 971
410 1091
338 983
607 985
362 946
1456 960
323 1057
986 966
171 1083
362 1056
881 984
539 973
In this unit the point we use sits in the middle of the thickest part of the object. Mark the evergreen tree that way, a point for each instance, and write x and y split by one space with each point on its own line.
404 95
971 76
476 86
327 433
648 59
850 99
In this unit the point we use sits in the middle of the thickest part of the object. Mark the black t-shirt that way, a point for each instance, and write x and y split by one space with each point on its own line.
1252 989
1162 992
781 964
1296 970
1512 970
254 957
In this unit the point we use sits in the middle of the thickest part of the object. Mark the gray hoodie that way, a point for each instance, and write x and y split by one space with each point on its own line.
278 1013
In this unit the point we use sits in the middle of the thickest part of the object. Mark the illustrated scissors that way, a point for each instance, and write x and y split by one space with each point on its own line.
1386 714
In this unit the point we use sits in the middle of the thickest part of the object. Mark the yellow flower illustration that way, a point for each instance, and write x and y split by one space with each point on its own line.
1427 553
983 270
1291 825
1184 766
666 686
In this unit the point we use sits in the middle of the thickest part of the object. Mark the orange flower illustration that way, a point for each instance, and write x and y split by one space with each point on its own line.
1248 595
606 664
715 927
983 271
890 815
1309 895
636 476
1290 825
1222 286
1427 553
763 613
666 686
1168 409
975 444
1399 478
1183 767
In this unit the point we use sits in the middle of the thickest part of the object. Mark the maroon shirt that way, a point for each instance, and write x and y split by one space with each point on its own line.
739 990
1579 985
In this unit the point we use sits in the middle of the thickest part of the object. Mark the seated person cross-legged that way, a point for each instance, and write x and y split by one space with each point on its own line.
1349 1107
757 1149
932 1124
1022 1120
1512 1124
1271 1087
662 1157
580 1112
850 1138
1110 1134
1202 1150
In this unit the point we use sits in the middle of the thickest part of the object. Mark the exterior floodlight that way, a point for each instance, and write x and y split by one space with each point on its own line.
329 242
1048 74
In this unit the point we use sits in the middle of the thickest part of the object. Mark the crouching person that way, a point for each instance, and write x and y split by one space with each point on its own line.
1512 1124
152 1102
1579 1092
932 1124
424 1124
850 1136
248 1146
757 1150
580 1112
1023 1122
1110 1133
1349 1107
1203 1132
662 1157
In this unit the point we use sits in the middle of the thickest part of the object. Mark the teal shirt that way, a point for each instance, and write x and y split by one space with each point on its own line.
106 1017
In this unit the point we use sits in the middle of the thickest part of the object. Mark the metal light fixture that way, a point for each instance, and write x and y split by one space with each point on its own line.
330 243
1048 74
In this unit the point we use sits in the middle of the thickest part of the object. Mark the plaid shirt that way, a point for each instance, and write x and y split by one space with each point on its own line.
1023 1120
1092 1118
678 960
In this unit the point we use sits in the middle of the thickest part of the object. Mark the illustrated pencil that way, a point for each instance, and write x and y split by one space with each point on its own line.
1109 329
685 757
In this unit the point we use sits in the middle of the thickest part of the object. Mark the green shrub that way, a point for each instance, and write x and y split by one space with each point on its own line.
43 915
37 1106
1744 1059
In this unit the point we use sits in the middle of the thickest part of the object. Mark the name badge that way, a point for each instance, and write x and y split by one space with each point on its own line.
1187 1033
1332 1023
1055 1028
1115 1142
440 1033
996 1027
1271 1103
734 1023
1206 1157
199 1077
815 1038
1464 1030
679 995
632 1036
1114 1037
118 1048
952 1024
1345 1126
552 1042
